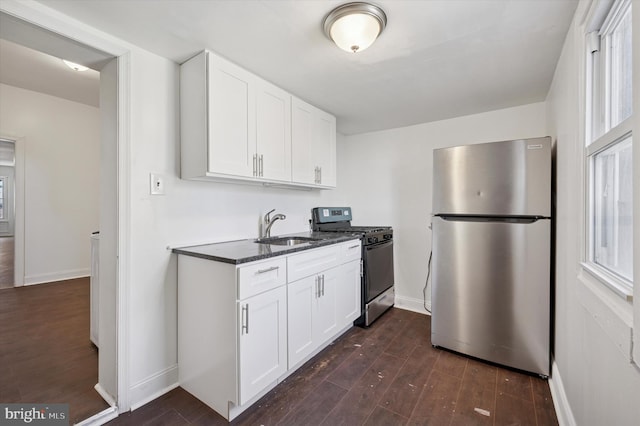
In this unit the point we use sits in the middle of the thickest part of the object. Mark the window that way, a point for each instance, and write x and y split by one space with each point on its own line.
612 211
609 145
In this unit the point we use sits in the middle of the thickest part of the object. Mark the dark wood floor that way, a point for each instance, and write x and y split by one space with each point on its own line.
45 351
386 375
6 262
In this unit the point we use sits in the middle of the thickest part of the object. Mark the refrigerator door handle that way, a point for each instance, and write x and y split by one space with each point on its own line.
505 219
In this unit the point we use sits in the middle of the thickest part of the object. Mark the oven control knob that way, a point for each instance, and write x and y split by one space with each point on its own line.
373 239
387 236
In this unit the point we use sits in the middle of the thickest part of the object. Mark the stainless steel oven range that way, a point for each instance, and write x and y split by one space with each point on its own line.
377 259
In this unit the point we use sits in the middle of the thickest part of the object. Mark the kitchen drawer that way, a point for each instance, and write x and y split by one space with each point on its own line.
351 250
311 262
262 276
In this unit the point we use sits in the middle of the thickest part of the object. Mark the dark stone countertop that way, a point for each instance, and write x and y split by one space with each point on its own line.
244 251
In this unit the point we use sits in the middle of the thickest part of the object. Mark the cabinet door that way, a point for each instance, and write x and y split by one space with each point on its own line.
326 324
324 147
262 341
231 120
301 297
313 145
348 293
273 132
303 166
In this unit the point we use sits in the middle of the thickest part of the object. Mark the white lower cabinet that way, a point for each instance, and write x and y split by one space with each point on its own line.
348 293
301 298
312 303
244 328
326 320
262 341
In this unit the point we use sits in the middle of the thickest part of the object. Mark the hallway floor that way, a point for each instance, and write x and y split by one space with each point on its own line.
6 262
45 351
386 375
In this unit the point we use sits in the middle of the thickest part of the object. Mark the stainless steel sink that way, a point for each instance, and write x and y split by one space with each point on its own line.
285 241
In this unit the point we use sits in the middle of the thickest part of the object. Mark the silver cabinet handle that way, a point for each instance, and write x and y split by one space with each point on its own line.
255 164
317 287
320 175
356 246
323 285
245 319
262 271
261 165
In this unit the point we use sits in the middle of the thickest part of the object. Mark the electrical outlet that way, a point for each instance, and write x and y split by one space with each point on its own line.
157 184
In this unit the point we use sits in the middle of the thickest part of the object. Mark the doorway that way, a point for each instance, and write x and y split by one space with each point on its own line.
22 27
7 212
7 249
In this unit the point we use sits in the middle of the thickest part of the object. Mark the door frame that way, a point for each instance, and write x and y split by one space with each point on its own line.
9 190
18 207
44 17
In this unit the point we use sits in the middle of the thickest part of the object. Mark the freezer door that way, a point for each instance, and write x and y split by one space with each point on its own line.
511 178
491 291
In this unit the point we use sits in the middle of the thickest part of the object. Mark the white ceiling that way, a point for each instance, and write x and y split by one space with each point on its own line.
33 70
437 59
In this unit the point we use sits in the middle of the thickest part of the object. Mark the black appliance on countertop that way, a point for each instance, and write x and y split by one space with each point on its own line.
377 291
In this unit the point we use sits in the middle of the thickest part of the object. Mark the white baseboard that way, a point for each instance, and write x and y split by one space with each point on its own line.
105 395
56 276
412 304
153 387
559 397
100 418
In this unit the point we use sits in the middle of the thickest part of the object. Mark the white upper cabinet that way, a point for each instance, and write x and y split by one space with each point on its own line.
231 124
304 165
235 125
324 148
273 132
313 145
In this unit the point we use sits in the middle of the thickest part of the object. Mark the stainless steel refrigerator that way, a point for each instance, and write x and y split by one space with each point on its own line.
491 224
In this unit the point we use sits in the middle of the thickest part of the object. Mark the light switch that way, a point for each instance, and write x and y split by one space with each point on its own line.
157 184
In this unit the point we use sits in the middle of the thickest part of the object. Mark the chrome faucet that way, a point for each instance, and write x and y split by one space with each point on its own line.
268 222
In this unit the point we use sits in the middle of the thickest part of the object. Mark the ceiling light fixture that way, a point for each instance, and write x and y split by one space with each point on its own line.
74 66
355 26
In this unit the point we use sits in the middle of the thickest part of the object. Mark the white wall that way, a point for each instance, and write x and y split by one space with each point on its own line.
189 213
62 144
594 381
386 178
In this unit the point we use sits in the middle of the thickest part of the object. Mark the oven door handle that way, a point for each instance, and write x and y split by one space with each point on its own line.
379 245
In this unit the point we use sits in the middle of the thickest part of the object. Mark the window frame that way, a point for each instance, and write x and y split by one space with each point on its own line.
3 196
598 114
